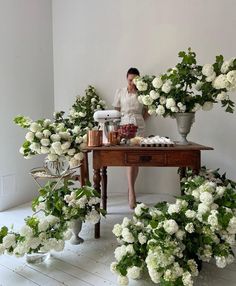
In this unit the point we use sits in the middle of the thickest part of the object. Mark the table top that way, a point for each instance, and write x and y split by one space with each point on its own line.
176 147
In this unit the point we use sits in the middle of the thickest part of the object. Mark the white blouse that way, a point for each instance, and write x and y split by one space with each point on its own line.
131 109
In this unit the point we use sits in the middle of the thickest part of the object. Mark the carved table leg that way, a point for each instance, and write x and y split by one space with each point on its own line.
104 188
97 180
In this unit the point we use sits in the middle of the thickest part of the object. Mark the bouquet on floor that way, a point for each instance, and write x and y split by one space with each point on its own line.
170 241
188 86
39 234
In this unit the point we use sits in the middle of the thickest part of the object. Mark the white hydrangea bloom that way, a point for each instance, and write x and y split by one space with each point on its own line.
203 208
141 85
46 133
26 231
139 209
93 217
225 66
211 77
45 142
55 137
187 279
9 240
190 214
113 267
130 249
180 234
173 208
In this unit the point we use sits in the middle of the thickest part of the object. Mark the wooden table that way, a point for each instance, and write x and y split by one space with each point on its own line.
181 156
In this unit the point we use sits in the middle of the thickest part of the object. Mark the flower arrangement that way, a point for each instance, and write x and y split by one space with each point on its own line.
81 112
39 234
52 139
43 233
188 86
68 203
171 240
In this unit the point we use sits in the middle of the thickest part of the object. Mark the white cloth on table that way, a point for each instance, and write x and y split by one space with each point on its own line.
131 109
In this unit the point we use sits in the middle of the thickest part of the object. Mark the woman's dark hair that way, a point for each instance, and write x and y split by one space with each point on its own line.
132 71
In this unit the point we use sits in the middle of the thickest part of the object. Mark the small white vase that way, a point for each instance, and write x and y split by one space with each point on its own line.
184 122
38 257
76 228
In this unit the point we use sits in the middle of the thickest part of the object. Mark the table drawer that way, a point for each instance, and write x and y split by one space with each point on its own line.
182 158
145 159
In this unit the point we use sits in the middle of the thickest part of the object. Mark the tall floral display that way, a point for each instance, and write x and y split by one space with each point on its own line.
59 204
188 86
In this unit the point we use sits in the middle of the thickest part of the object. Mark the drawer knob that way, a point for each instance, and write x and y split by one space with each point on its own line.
145 158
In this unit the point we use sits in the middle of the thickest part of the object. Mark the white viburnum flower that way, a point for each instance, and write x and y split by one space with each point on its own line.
34 127
189 227
147 100
39 135
221 82
157 82
127 235
202 208
207 106
225 67
93 217
166 87
29 136
231 77
154 95
141 85
139 209
123 280
55 138
190 214
197 106
117 230
35 147
44 150
52 219
211 77
134 272
170 226
43 225
45 142
221 261
26 231
126 222
174 109
206 198
2 249
120 252
222 96
187 279
162 100
207 70
46 133
9 240
113 267
173 208
71 152
170 102
73 163
160 110
180 234
142 238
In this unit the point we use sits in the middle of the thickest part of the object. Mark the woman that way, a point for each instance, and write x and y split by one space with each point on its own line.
132 111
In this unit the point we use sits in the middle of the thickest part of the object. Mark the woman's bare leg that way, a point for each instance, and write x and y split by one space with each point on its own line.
132 173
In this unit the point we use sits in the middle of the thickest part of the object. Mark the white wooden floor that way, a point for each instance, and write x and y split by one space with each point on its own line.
88 263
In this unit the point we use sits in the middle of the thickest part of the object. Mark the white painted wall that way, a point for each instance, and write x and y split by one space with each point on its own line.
95 42
26 87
